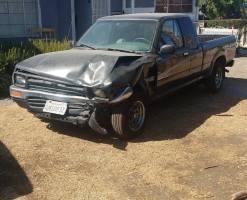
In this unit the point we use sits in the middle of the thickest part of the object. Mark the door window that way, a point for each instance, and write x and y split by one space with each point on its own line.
171 34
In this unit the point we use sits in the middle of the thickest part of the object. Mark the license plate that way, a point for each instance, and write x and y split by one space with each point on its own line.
55 107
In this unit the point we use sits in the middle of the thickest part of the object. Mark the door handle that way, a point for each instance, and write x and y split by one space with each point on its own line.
186 53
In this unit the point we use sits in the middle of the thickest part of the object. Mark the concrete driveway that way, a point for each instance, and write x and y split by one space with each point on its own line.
194 147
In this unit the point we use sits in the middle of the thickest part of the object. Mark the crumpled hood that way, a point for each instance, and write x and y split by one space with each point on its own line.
83 67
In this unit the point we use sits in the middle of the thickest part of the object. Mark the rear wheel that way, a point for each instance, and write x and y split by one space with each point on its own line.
128 120
215 81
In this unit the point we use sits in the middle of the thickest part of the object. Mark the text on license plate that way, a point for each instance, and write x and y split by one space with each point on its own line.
55 107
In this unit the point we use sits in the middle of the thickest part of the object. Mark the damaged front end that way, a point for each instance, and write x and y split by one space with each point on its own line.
89 89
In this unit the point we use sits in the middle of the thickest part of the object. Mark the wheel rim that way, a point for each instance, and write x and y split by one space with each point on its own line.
137 116
218 77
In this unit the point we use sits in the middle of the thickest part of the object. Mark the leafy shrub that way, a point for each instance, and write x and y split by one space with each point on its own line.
228 23
11 54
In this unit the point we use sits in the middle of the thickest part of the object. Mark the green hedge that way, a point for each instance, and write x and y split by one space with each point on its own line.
12 53
227 23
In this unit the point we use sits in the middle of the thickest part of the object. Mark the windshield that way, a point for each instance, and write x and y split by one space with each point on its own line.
133 36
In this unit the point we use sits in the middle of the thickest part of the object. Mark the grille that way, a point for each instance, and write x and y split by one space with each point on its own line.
44 84
36 102
55 87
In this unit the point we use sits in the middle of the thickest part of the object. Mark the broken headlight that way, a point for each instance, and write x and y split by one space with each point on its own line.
99 93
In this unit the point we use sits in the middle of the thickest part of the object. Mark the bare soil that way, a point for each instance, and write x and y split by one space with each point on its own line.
194 147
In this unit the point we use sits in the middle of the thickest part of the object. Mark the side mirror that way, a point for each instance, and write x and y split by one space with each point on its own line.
167 49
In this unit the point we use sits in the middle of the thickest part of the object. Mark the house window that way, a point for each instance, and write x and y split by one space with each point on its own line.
17 18
128 3
144 4
174 6
100 8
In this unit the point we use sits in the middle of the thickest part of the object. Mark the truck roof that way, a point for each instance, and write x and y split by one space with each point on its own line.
145 16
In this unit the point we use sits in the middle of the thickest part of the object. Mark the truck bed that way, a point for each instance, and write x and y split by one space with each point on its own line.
212 45
206 38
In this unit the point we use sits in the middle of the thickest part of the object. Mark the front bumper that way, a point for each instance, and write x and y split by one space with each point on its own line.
22 93
80 109
78 112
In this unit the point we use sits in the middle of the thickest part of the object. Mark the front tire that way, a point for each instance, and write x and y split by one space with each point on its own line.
128 120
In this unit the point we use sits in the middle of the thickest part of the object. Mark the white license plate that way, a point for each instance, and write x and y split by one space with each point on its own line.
55 107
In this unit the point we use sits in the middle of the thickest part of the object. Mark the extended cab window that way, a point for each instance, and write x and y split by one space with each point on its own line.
171 34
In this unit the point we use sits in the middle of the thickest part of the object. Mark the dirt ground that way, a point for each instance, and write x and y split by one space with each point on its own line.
194 147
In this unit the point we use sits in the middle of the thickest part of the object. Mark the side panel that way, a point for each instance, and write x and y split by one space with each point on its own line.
208 57
212 49
230 51
172 67
196 60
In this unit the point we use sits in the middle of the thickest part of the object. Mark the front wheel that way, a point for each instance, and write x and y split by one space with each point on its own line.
128 120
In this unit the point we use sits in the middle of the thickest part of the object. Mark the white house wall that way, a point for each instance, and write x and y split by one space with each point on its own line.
133 6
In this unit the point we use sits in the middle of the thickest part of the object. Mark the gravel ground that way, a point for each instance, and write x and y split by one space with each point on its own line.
194 147
5 101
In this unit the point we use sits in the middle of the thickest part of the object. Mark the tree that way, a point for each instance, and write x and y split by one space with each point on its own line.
222 8
243 8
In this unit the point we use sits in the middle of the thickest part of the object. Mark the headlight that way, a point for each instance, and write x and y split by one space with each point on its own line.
20 81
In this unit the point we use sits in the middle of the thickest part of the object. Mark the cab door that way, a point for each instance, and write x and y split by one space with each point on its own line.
192 43
175 66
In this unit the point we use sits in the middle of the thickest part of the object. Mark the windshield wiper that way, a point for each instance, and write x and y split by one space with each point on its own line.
111 49
84 45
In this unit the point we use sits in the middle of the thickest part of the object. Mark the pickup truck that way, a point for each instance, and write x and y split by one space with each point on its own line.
120 65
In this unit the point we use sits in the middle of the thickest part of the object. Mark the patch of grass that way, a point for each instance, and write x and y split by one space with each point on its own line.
12 53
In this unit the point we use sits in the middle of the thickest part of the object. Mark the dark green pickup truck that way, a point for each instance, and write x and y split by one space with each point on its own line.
117 67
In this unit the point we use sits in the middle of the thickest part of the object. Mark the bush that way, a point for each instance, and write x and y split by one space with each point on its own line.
227 23
11 54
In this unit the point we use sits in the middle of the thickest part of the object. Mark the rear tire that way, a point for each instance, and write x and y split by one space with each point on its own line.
215 81
128 119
